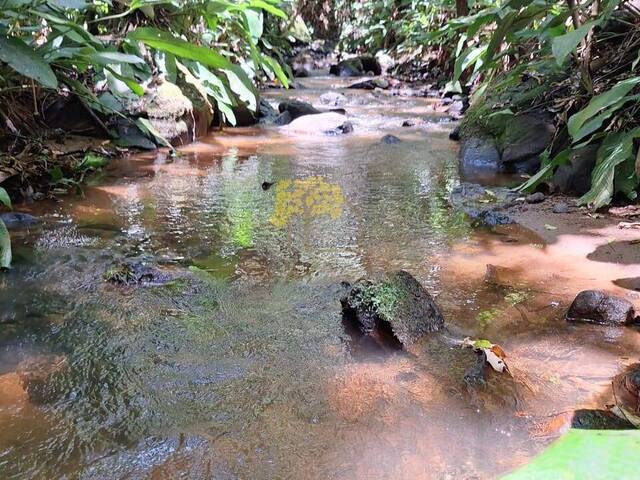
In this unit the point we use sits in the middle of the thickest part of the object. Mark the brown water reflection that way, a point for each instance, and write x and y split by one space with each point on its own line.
240 367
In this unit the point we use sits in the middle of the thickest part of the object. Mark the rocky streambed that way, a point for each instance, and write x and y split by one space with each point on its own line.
188 316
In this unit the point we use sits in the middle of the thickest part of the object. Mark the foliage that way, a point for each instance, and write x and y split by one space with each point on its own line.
5 240
107 53
586 454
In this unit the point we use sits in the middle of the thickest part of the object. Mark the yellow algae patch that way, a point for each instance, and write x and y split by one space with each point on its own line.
307 197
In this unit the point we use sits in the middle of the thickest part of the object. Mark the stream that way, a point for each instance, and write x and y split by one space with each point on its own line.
236 365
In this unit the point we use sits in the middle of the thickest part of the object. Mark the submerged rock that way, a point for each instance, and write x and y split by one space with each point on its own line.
390 139
16 220
598 420
135 271
333 99
479 155
560 207
595 306
371 84
396 304
483 205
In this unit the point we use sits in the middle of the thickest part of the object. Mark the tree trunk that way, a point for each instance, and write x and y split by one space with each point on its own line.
462 8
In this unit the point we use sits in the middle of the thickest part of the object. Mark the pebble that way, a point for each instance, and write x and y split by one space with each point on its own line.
561 207
537 197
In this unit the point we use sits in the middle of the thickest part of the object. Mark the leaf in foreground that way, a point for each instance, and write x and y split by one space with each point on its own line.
26 61
586 454
5 246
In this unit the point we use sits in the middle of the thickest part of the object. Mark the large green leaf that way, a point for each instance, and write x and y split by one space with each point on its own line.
586 455
4 198
563 45
108 58
600 102
268 7
275 67
5 246
180 48
26 61
615 150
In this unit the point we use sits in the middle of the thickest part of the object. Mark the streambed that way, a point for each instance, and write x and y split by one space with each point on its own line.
238 366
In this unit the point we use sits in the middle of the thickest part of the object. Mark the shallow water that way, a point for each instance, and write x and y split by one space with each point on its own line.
240 366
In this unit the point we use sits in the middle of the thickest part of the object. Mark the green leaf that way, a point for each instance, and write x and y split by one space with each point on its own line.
254 23
145 125
468 57
134 86
586 455
181 48
26 61
275 67
4 198
600 102
91 160
267 7
242 86
109 58
563 45
548 166
616 149
5 246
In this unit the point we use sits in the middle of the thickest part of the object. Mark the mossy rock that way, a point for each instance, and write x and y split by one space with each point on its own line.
394 302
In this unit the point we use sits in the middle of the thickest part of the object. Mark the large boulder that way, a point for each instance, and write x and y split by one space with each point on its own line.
525 137
479 155
487 207
595 306
574 177
297 108
329 123
395 302
356 67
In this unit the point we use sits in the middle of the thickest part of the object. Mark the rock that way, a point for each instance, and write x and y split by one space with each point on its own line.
385 61
330 123
395 304
297 108
595 306
130 135
170 112
333 99
17 220
266 112
524 138
575 176
455 134
458 107
485 206
136 271
71 115
301 73
478 155
598 420
390 139
244 116
409 123
371 84
560 207
283 119
536 197
356 67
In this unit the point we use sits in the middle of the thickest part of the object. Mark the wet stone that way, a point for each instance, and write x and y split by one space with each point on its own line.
395 305
598 420
390 139
595 306
16 220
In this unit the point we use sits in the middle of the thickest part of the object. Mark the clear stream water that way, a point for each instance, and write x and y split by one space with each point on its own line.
240 367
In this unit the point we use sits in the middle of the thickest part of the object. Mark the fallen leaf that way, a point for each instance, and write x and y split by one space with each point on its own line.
550 227
627 225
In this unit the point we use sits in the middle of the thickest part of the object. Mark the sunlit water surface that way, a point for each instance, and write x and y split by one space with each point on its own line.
240 367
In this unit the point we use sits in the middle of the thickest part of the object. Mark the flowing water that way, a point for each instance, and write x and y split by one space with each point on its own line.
239 366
